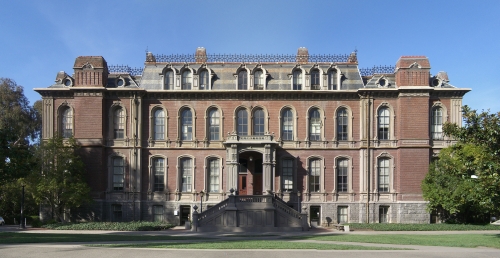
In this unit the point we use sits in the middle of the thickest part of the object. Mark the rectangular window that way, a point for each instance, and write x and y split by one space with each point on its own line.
119 123
383 175
314 175
383 214
287 174
186 174
157 213
159 174
118 174
214 125
288 125
342 169
213 174
437 124
342 214
117 212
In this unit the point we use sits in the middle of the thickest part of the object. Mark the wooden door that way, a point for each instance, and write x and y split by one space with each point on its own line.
242 184
257 184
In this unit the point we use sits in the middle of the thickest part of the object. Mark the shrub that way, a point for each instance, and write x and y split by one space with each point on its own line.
421 227
113 226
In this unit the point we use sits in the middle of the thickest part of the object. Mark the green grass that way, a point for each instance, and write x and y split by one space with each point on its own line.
450 240
421 227
250 244
114 226
16 238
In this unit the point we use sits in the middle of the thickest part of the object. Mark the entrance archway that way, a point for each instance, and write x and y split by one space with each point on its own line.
250 173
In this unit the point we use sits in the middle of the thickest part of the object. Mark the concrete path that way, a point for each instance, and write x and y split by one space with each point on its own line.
78 250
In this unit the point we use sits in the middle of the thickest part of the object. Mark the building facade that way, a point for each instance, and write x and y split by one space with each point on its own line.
317 131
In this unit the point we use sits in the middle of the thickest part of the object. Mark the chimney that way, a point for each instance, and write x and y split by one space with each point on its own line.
200 55
90 71
413 71
302 55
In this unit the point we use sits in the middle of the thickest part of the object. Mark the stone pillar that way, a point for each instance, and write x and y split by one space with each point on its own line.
267 187
194 225
305 222
232 167
231 211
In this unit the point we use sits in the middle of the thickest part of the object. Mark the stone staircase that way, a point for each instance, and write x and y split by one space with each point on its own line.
252 213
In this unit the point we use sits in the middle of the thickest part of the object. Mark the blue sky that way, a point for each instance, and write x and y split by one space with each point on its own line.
40 38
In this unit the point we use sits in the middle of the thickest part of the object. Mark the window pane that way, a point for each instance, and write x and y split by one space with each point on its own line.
383 124
67 123
258 80
159 174
186 174
157 213
314 125
118 174
297 80
258 122
186 125
315 80
342 173
204 80
242 122
186 80
332 80
169 80
383 213
383 175
437 124
119 123
342 125
242 80
287 174
213 173
287 125
314 175
214 125
342 214
159 124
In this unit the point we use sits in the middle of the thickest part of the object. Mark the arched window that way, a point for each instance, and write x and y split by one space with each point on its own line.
342 124
258 80
213 125
287 175
169 80
297 80
186 80
383 123
242 80
437 123
332 80
159 124
204 80
118 173
258 122
186 169
119 123
314 125
213 175
315 84
67 122
383 175
159 174
242 122
342 175
287 125
186 125
314 175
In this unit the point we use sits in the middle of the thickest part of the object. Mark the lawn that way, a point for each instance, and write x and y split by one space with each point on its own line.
451 240
421 227
251 244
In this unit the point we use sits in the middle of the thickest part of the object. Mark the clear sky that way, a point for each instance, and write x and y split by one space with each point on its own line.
40 38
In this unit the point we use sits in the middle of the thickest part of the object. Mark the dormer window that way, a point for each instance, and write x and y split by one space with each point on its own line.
242 80
258 79
67 82
169 80
332 80
315 85
187 80
297 80
204 80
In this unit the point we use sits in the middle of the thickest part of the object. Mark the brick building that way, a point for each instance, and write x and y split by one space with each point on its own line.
314 130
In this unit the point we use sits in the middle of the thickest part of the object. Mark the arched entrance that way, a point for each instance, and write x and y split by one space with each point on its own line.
250 173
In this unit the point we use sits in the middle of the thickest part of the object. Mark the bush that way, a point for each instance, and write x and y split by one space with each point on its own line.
112 226
34 221
421 227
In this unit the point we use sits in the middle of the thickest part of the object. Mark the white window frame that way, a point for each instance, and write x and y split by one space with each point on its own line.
152 176
294 123
321 124
208 123
152 118
321 176
180 124
391 122
208 175
181 176
391 169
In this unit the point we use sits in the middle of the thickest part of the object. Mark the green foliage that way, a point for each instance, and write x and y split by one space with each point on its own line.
10 202
450 187
20 125
35 222
60 184
421 227
112 226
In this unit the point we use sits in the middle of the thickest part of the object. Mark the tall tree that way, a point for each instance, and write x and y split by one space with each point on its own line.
465 179
60 182
20 126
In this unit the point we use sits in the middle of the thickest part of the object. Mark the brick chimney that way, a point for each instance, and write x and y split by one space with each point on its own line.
302 55
413 71
90 71
201 55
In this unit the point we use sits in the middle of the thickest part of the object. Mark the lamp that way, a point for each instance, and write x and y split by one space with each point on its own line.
201 200
250 158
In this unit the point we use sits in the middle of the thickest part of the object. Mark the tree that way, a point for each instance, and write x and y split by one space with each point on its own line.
465 179
60 182
20 126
